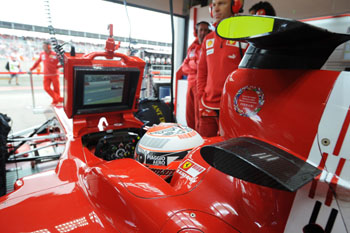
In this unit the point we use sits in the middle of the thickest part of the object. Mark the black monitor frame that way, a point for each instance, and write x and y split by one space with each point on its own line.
129 89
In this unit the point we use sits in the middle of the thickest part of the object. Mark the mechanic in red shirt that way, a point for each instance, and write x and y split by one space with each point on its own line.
218 59
51 73
189 67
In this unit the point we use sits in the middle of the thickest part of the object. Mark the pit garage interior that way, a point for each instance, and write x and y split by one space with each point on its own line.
40 141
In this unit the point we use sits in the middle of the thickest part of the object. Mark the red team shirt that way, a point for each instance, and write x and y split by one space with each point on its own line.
189 66
50 61
219 57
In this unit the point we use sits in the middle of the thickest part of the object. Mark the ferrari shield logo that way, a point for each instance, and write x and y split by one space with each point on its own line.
187 165
191 168
231 43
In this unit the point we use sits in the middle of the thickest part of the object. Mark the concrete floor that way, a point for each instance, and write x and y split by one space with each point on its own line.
17 102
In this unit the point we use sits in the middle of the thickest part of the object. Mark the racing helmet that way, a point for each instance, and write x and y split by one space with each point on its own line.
163 147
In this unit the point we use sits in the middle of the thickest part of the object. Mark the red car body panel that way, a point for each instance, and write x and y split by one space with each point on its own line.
85 193
292 109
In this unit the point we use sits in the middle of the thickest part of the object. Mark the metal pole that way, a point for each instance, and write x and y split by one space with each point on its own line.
31 84
36 149
22 132
53 136
38 158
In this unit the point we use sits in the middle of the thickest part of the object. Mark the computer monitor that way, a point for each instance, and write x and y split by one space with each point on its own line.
104 89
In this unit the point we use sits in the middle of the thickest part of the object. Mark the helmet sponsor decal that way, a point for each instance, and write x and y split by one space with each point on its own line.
187 135
173 130
248 101
158 160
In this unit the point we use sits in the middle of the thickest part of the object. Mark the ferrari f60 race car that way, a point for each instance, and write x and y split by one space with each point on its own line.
281 163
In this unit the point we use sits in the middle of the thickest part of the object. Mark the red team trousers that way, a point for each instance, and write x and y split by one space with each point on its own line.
54 80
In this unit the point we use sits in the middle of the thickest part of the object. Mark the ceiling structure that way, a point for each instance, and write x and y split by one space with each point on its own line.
296 9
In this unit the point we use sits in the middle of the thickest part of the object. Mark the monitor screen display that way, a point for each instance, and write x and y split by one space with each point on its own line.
103 88
106 89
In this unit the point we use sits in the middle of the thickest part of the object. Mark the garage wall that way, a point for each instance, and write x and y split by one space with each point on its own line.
306 9
301 9
160 5
294 9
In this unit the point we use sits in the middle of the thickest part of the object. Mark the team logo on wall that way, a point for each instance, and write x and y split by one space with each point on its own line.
248 101
210 43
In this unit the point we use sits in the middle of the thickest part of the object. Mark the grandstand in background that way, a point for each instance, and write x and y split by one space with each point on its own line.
25 41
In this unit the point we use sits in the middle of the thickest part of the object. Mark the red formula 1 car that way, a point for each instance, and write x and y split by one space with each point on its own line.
282 163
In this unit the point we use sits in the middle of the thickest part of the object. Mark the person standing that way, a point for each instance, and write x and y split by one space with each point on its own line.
219 57
14 68
51 73
189 67
262 8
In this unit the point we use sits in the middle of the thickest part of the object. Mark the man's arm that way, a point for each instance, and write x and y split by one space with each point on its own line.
202 72
193 63
36 63
185 66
